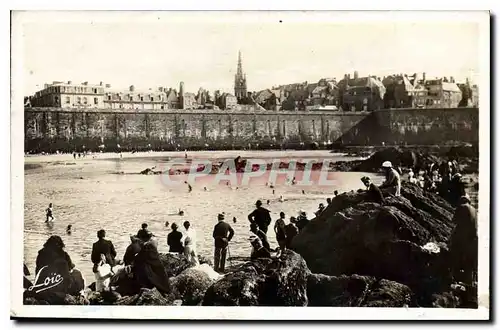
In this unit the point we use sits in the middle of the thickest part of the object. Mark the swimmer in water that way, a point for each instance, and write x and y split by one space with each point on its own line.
68 230
303 192
190 188
167 223
281 198
273 191
181 212
268 202
205 188
234 219
48 213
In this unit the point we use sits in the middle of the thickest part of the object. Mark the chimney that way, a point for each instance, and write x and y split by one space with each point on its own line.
108 85
69 82
452 80
181 88
160 89
423 76
46 86
356 76
85 83
100 84
131 88
348 76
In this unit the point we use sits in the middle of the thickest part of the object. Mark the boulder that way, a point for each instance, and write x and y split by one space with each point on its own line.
355 236
263 282
356 291
175 263
190 285
147 297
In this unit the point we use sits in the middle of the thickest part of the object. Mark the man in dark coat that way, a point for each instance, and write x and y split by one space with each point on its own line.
131 250
464 243
223 233
174 240
103 246
260 216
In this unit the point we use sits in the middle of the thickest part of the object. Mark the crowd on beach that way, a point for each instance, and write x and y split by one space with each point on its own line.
141 266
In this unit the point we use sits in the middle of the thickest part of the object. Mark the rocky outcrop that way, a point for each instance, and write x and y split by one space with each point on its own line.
263 282
287 281
355 236
190 285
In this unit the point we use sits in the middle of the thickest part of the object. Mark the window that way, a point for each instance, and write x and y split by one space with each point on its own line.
162 107
121 106
96 101
84 100
78 100
152 99
159 98
131 98
109 97
67 100
95 91
119 98
56 99
142 99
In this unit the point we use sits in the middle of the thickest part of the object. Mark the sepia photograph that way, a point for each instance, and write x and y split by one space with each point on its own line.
250 159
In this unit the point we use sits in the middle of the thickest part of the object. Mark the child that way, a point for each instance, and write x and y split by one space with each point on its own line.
48 213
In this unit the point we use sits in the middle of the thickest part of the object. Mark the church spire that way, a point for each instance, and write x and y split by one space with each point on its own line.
240 81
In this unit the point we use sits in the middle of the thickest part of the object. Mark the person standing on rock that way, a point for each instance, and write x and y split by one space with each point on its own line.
174 240
464 242
258 249
103 246
321 208
291 231
279 229
374 193
260 216
223 233
302 220
392 178
132 250
190 244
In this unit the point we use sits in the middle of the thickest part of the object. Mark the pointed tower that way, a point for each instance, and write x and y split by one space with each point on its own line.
181 95
240 81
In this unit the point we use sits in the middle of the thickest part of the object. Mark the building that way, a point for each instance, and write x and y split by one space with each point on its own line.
325 93
266 99
403 91
240 82
69 95
172 99
187 101
443 93
361 94
135 99
470 97
228 101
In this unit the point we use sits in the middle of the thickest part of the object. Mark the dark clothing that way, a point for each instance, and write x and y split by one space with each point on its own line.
50 263
143 234
26 270
220 258
174 241
261 217
291 231
464 244
375 194
260 253
263 238
280 230
457 190
220 234
301 223
47 256
130 253
149 271
103 246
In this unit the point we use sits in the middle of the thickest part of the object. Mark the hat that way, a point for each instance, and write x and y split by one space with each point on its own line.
365 179
302 213
258 203
220 216
387 164
321 205
293 219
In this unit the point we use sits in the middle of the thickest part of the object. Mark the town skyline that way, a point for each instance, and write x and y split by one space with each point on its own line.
150 54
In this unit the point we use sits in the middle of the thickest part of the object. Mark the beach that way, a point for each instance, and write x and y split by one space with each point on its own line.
105 191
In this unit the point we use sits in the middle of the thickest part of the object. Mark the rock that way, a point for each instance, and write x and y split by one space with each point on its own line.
263 282
191 284
152 297
175 263
66 300
354 236
356 291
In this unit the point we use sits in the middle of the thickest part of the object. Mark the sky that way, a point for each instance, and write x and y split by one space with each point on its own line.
152 49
